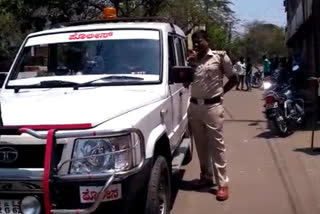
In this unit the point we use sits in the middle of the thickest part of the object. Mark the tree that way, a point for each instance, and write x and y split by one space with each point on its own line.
259 39
141 8
219 10
185 13
10 39
10 35
34 15
189 14
218 37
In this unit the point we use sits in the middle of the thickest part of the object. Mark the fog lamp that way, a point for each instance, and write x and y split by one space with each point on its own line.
30 205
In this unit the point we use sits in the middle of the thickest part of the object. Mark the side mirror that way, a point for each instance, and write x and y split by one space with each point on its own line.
181 74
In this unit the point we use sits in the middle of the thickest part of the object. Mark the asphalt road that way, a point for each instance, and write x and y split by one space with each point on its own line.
267 174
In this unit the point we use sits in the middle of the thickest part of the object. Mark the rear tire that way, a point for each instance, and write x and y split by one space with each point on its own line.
281 124
282 129
159 188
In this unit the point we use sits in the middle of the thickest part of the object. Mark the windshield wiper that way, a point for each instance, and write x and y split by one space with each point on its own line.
45 84
108 78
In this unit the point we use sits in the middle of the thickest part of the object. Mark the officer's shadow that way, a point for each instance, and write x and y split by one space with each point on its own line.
178 184
189 186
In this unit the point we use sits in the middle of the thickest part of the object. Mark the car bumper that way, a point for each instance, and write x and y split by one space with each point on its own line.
66 195
132 191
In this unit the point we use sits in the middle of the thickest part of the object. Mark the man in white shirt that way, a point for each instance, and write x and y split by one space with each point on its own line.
240 69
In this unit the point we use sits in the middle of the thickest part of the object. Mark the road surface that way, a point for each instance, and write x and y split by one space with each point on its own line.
267 174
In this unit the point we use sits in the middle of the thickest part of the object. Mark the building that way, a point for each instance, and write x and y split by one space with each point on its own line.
303 39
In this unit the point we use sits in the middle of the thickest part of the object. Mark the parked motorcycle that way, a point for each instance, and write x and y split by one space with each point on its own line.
271 82
282 107
257 79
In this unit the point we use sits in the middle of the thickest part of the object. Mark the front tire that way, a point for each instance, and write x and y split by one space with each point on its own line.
256 83
159 188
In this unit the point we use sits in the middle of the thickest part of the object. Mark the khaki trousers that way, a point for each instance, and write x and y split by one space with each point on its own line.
206 123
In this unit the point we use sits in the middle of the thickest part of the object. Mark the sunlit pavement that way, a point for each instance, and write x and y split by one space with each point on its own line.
267 174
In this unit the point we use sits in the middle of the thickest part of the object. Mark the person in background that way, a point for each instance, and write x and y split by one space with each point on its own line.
248 74
274 64
271 60
289 64
297 74
284 73
240 69
266 66
206 112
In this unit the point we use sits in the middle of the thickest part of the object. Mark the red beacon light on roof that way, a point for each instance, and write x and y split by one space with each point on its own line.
109 13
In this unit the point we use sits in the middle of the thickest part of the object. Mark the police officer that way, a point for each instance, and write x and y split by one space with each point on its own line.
206 112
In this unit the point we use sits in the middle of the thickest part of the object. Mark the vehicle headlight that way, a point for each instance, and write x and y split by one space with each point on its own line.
100 155
267 85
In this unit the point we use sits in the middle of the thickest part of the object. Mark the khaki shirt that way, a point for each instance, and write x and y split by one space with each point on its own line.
209 74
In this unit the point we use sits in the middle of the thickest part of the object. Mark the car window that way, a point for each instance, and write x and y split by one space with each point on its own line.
184 48
179 52
70 56
171 49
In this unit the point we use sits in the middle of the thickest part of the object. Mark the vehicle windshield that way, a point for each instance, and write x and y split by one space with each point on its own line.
89 57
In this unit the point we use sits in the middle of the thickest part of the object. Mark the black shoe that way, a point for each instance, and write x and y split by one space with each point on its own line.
202 183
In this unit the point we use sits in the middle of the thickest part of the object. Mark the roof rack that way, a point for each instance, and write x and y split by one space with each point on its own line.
140 19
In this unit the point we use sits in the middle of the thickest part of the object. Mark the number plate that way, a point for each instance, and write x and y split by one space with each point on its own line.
273 105
10 207
88 194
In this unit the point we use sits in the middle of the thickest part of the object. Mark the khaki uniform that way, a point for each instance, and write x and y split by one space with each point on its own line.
206 120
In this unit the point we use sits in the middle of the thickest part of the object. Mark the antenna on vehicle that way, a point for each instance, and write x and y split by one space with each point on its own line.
173 28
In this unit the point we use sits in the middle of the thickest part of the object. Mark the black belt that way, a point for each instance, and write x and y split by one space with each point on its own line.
214 100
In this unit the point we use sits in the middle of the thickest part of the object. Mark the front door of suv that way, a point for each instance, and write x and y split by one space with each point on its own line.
179 93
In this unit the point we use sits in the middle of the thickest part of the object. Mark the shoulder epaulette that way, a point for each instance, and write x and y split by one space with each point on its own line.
221 53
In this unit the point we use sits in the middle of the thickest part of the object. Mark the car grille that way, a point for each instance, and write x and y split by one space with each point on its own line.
29 156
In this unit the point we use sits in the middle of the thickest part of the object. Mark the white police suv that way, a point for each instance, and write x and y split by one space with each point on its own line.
95 116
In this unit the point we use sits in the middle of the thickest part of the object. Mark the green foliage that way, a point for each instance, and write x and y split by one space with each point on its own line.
20 17
10 35
185 13
189 14
218 37
260 39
